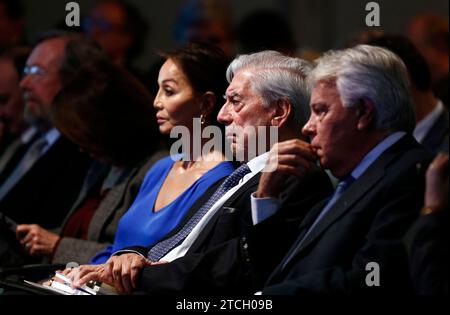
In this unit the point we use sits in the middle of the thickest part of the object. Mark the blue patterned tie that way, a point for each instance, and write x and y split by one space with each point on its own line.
162 248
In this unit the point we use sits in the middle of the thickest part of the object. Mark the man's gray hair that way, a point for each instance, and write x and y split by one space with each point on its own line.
275 77
370 73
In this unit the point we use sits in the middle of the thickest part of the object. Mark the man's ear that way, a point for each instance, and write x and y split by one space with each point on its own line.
208 102
366 113
282 112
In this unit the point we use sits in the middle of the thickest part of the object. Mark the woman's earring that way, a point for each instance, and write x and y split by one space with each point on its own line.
202 119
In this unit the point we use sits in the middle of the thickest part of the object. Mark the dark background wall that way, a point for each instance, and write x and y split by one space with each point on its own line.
317 24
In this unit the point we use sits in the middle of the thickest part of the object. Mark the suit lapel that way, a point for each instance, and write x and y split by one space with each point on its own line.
108 205
96 172
312 215
352 195
251 184
307 221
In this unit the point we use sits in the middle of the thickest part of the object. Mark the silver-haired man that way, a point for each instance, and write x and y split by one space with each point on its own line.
360 127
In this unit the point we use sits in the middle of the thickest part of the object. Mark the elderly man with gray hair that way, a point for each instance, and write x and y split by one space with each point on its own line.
360 128
206 254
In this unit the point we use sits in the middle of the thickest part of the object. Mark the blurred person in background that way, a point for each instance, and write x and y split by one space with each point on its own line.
206 21
12 122
120 29
266 30
432 120
114 122
40 181
12 23
429 33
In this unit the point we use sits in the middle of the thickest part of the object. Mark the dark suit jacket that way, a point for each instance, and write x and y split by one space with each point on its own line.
428 250
366 224
46 192
214 264
437 138
19 150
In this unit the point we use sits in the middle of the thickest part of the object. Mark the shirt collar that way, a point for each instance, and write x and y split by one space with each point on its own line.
371 157
28 134
52 135
257 164
423 126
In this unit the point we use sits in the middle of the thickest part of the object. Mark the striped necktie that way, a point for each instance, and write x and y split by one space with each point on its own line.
30 158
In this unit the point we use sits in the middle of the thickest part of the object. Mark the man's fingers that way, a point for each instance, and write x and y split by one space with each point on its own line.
286 169
82 271
38 249
296 147
124 280
29 238
295 161
136 269
107 274
117 277
23 228
441 162
22 231
92 276
306 153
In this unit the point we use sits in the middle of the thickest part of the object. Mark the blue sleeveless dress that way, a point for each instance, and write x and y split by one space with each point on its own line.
141 226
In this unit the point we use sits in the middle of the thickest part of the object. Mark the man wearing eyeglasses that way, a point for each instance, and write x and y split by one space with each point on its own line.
41 180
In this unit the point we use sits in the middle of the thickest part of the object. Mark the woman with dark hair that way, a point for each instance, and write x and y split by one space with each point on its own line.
107 113
191 82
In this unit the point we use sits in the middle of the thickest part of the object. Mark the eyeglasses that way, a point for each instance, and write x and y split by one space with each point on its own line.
34 70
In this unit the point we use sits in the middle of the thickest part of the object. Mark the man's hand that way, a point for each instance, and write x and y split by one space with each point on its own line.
36 240
120 272
436 192
293 157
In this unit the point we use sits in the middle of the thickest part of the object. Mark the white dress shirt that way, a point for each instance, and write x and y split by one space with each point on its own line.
52 136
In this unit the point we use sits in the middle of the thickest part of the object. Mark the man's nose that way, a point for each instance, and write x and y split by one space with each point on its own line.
309 129
224 116
25 82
